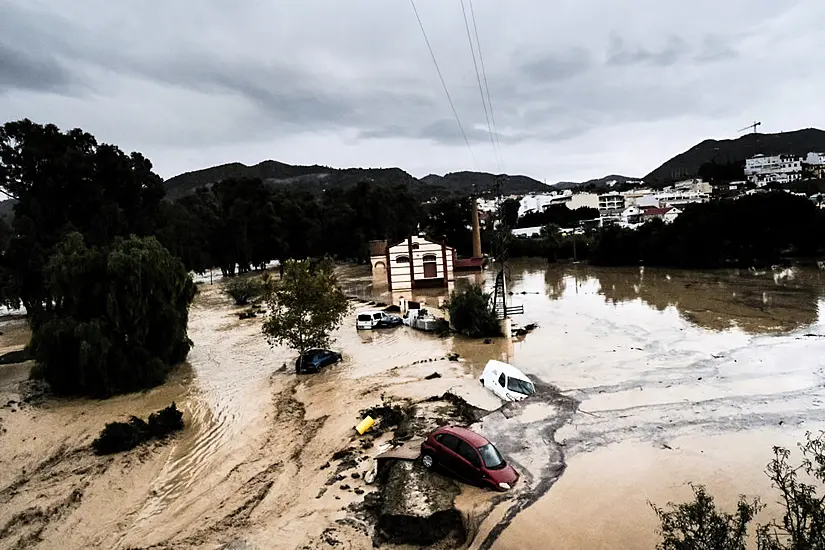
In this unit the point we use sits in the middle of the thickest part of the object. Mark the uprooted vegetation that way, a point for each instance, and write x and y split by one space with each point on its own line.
117 437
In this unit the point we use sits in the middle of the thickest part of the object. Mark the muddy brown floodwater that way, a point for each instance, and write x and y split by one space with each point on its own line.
649 379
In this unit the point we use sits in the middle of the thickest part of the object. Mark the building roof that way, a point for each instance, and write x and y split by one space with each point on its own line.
416 238
657 211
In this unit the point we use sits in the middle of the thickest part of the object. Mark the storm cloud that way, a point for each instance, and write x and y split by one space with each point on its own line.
578 89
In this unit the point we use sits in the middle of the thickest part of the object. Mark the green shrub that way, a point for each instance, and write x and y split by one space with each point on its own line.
244 289
472 314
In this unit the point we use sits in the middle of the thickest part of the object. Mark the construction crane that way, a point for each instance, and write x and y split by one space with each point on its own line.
754 125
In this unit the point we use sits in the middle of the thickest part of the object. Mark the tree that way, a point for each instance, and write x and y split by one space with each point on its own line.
119 317
64 182
472 314
699 524
802 490
510 207
244 289
305 306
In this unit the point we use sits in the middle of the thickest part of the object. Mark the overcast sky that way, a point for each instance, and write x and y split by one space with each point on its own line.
580 88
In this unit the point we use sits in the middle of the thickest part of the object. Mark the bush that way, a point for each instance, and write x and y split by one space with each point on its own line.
117 437
165 421
471 313
699 524
119 320
244 289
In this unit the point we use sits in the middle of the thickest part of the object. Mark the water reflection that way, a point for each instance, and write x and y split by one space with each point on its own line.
770 301
718 300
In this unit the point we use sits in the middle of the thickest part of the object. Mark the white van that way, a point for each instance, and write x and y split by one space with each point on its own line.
506 381
368 320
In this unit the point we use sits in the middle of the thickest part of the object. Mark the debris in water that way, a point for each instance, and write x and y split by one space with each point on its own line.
365 425
432 376
123 436
453 357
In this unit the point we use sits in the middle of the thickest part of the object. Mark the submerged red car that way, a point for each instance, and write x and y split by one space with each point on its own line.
469 457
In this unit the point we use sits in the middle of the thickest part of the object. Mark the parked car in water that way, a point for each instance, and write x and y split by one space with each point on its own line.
506 381
468 456
313 360
421 319
367 320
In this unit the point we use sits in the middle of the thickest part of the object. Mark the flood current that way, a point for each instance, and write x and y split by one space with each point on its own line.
650 379
680 376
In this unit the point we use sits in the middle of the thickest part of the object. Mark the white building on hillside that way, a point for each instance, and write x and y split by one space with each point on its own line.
762 169
583 200
680 198
539 203
611 204
697 185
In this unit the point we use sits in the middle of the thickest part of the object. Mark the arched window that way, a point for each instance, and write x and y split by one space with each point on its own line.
430 266
402 260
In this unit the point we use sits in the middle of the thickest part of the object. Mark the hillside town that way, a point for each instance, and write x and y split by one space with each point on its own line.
632 208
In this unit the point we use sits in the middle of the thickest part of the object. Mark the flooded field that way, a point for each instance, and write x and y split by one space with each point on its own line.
653 378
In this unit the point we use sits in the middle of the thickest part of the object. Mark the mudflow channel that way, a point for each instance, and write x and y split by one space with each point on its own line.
647 378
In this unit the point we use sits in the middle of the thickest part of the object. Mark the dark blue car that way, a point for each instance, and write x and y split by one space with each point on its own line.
313 360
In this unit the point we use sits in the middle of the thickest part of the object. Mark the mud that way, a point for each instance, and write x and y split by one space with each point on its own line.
651 378
417 507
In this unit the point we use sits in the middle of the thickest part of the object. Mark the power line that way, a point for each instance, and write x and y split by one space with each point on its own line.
478 79
443 83
484 74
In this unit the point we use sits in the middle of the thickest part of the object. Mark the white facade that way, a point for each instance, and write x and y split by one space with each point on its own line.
777 168
815 159
632 214
538 203
583 200
671 215
680 198
417 262
611 204
697 185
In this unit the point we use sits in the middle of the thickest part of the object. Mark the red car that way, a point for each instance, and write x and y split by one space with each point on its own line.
469 457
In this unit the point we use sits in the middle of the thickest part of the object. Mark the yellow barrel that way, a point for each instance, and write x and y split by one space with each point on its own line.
364 425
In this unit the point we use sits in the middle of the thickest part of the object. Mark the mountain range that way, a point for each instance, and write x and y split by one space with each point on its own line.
686 165
316 178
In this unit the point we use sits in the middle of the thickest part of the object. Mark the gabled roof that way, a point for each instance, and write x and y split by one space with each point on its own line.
658 211
415 237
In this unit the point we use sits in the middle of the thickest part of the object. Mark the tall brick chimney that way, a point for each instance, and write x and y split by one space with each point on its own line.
476 231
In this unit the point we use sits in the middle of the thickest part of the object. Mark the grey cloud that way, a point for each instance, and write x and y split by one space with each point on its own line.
620 54
21 71
558 67
715 48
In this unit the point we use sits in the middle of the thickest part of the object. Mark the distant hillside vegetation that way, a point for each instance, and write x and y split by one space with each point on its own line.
316 178
599 184
729 151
